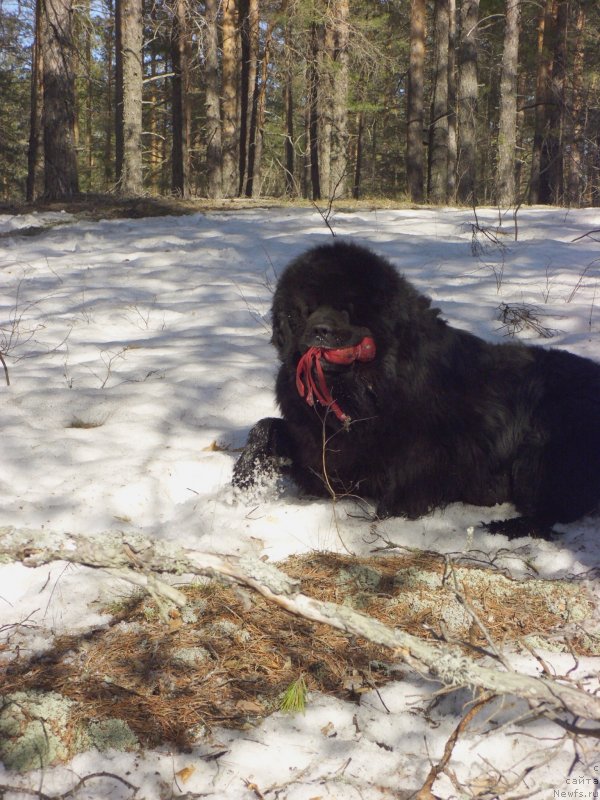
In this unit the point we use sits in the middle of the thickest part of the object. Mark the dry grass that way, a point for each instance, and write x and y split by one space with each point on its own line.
228 658
108 206
519 317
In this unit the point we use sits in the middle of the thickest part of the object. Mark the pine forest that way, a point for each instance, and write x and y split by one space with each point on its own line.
423 101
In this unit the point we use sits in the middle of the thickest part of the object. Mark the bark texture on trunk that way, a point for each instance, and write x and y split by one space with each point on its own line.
415 109
507 127
60 159
229 103
214 174
438 128
129 118
467 102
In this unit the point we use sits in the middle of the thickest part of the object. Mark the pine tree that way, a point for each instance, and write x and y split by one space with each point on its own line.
60 158
438 127
467 102
229 102
214 153
415 112
507 127
181 101
129 39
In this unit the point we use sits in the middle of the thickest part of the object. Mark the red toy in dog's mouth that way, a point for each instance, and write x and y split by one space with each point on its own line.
312 388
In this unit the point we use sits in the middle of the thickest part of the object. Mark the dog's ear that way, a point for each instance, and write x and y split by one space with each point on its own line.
282 333
288 326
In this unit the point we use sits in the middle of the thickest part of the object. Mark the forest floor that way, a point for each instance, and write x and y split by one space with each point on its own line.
137 339
111 206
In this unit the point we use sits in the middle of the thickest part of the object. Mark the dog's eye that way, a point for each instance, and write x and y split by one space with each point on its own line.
296 317
300 311
348 310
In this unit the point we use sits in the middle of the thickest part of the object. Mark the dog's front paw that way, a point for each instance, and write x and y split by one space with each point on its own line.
265 456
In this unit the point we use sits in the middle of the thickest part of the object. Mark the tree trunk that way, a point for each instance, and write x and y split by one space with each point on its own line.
164 141
109 124
452 133
118 91
181 105
257 119
60 158
89 106
213 103
288 101
35 162
467 103
544 68
339 101
305 173
595 160
324 94
313 115
438 127
415 109
507 127
360 127
154 147
230 106
249 29
551 167
246 90
129 108
576 123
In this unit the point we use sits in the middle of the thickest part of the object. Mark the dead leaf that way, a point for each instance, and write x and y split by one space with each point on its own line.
215 447
249 707
185 774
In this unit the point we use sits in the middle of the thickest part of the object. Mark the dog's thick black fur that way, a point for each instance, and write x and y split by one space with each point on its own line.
438 416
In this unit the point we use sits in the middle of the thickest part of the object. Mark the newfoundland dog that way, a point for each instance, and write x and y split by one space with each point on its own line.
382 399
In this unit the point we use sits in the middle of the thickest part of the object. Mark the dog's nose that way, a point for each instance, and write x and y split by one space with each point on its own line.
322 330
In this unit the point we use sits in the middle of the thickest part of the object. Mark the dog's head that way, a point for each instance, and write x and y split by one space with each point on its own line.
345 323
332 297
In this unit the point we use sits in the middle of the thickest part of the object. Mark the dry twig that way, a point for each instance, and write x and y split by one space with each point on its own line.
425 792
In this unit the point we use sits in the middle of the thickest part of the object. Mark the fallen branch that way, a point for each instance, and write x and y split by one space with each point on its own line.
425 792
135 556
37 793
5 368
589 233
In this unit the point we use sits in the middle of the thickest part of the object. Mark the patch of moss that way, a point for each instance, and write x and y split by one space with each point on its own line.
191 655
111 734
32 729
359 577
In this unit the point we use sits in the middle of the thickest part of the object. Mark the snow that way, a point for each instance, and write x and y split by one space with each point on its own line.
136 346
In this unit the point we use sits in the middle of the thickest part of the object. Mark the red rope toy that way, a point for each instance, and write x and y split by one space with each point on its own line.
318 389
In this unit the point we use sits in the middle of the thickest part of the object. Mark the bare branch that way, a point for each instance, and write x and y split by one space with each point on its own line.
5 368
70 792
424 792
589 233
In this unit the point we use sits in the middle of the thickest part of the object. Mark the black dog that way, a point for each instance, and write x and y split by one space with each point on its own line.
383 399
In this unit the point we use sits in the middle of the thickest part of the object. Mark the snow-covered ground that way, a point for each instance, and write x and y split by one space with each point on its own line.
139 357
